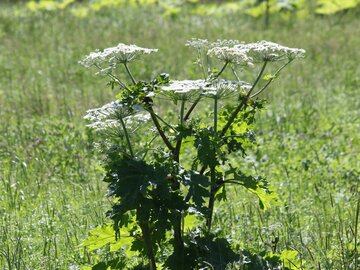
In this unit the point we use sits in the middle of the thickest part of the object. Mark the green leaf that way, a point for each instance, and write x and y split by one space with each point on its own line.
221 194
206 145
256 185
191 221
108 265
287 258
199 191
99 237
265 198
105 235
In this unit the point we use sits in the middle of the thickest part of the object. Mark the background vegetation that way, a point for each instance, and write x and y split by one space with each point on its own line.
309 148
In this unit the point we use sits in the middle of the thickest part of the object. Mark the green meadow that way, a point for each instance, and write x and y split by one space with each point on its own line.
51 189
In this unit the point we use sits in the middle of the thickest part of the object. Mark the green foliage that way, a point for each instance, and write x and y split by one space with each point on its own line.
156 193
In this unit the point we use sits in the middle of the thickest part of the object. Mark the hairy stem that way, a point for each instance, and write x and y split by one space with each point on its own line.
184 119
182 111
160 131
215 114
221 71
129 72
148 244
179 243
212 198
187 115
126 136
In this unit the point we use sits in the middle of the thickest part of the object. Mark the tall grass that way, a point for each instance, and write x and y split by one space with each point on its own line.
50 184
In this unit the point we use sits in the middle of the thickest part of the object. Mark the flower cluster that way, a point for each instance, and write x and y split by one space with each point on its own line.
226 88
112 56
108 116
269 51
248 54
186 86
186 89
219 88
232 55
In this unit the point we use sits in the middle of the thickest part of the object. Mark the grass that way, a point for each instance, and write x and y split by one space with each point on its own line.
309 149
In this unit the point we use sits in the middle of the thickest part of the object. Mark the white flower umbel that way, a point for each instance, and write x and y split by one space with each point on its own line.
227 88
187 89
110 57
108 116
234 55
186 86
269 51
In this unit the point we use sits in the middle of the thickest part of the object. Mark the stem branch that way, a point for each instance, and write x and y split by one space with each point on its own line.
160 131
271 79
238 108
221 71
129 72
213 190
126 136
243 102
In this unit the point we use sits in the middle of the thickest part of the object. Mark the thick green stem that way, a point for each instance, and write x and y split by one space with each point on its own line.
213 190
215 114
187 115
126 136
212 173
182 111
179 141
221 71
160 131
179 243
148 244
130 74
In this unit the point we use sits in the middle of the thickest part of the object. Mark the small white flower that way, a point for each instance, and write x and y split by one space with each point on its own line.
186 89
269 51
108 116
226 88
110 57
186 86
234 55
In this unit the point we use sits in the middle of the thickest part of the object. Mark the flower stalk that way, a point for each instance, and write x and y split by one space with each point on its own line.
126 136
